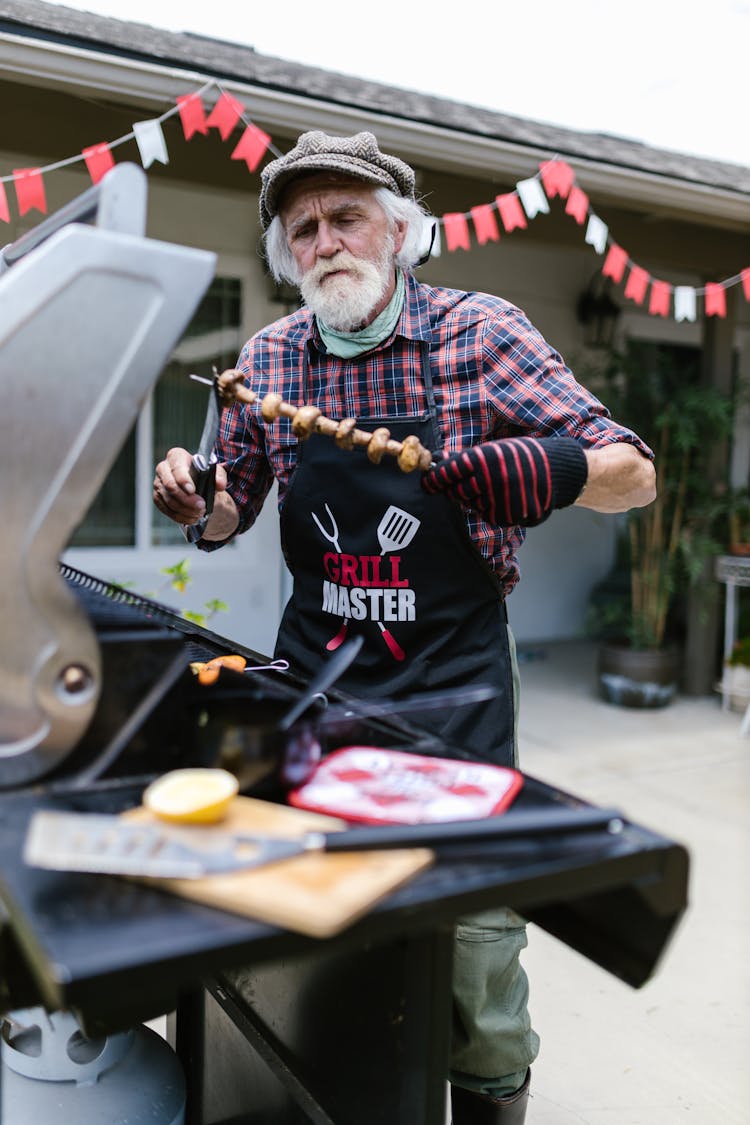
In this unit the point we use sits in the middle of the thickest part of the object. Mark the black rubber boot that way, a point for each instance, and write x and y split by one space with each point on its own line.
469 1108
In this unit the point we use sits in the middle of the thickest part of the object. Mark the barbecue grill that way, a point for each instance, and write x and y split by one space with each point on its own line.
97 699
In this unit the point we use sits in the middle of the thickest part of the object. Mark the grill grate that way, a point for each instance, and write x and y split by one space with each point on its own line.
110 605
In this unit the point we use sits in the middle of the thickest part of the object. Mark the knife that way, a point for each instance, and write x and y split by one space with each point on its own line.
203 468
104 843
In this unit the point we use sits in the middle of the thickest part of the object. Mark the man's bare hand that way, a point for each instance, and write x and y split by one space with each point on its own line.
174 490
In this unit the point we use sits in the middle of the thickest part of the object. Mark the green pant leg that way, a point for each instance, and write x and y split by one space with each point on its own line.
493 1041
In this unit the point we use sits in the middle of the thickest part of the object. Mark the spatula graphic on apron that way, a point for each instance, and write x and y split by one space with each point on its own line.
395 531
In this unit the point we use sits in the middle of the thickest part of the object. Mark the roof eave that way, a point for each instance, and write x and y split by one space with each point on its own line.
154 86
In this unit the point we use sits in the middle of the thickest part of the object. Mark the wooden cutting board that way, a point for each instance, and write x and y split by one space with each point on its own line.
313 894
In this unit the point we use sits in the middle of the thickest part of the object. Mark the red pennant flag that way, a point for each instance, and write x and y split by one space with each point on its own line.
4 210
485 224
745 275
456 231
29 190
658 304
252 145
577 205
511 211
615 263
557 177
99 160
637 284
225 115
715 299
192 115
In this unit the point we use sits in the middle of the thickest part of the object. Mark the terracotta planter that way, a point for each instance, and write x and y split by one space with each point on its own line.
638 677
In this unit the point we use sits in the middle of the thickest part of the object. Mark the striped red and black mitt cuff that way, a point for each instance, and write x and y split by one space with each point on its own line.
514 480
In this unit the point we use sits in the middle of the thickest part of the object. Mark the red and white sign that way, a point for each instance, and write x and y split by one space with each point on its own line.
379 786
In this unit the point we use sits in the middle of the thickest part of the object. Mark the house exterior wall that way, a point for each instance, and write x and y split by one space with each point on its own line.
204 199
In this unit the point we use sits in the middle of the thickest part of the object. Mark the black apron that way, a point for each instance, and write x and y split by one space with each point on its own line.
372 554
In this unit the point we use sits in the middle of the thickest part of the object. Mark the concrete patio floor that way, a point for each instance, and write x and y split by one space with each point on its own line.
676 1050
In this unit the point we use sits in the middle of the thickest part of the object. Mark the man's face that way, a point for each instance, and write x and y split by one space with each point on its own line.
344 246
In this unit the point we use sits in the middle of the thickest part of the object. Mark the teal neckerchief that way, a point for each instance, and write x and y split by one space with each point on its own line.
346 345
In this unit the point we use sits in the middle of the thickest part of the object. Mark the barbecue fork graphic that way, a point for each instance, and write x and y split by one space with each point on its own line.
396 530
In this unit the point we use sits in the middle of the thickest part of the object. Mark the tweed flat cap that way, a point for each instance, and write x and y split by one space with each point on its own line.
357 156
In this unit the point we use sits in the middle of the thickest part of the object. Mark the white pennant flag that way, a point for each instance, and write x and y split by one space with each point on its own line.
684 302
150 141
597 233
532 197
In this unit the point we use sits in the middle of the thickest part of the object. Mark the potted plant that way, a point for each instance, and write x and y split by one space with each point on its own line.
658 393
736 677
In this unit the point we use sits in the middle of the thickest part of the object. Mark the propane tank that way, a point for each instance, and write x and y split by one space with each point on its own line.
52 1072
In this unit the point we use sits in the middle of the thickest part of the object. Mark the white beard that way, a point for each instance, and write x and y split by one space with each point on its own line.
347 303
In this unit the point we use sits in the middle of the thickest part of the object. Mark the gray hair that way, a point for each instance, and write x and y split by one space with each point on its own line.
419 224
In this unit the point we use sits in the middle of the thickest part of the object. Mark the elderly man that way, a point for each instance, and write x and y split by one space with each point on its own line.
515 436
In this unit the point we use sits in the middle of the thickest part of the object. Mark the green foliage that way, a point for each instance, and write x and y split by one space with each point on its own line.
658 394
215 605
179 579
198 618
179 576
740 654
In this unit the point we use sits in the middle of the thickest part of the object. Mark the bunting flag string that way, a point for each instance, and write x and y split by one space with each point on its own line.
488 221
531 198
226 114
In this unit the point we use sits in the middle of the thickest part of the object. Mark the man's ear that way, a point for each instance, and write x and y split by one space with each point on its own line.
399 234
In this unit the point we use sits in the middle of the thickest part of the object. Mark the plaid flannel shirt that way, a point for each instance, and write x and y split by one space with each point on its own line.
494 376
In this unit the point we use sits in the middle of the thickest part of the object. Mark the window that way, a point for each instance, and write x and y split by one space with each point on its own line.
122 514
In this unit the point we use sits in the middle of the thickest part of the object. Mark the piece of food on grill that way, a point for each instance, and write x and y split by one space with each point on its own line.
208 671
191 796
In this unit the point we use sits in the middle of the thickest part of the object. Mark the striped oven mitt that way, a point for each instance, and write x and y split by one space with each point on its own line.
514 480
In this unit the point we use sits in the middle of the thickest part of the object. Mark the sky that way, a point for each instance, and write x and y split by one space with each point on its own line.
670 73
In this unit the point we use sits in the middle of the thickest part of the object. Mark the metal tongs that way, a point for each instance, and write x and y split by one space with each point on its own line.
203 468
